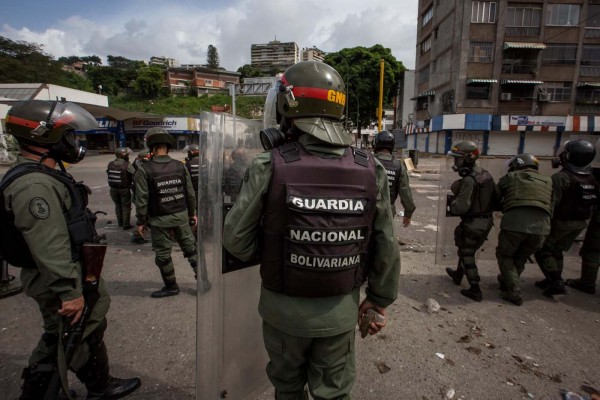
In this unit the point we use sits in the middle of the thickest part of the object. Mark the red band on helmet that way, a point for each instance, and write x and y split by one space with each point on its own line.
22 121
309 92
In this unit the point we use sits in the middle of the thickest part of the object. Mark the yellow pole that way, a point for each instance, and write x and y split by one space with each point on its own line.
380 109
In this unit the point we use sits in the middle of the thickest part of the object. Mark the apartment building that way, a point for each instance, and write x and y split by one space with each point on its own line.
199 80
313 54
165 61
274 55
514 76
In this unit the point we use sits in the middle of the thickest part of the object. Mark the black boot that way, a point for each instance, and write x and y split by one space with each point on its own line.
501 282
474 292
36 380
456 275
582 287
100 385
543 284
514 298
166 291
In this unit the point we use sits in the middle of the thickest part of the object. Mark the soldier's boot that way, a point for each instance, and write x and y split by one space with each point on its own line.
100 385
543 284
9 288
36 380
456 275
503 287
171 289
513 297
581 286
474 292
556 286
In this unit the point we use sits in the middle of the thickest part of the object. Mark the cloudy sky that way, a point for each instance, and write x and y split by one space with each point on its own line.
183 29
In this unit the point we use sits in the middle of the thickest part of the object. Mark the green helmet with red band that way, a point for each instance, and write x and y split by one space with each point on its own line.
313 94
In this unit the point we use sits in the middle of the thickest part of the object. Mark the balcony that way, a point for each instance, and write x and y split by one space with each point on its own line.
518 67
589 70
592 33
522 31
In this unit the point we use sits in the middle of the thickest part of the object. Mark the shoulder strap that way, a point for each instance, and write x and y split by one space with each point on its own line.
290 152
361 157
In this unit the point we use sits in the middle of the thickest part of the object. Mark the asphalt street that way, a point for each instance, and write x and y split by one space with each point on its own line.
487 350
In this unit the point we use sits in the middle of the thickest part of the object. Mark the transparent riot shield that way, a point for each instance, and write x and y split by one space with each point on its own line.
231 358
445 248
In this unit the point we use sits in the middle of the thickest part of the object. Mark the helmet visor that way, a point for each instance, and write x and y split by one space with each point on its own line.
270 112
72 115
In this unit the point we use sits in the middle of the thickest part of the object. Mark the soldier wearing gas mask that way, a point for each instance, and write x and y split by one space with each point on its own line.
475 200
192 163
397 174
44 224
120 179
318 215
575 193
526 197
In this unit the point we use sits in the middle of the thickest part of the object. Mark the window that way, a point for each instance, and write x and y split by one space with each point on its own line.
562 14
481 52
590 55
424 74
427 16
523 20
588 94
483 12
559 54
426 45
478 91
558 91
208 82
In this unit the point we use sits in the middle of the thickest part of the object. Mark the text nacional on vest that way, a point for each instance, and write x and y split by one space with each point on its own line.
302 260
328 236
354 206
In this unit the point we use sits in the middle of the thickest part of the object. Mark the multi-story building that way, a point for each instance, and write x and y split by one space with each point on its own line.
167 62
199 80
274 55
312 54
512 75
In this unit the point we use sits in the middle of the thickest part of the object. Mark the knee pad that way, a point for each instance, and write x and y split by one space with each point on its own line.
161 263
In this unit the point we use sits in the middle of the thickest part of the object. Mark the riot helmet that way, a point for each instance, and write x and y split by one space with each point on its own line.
193 150
385 140
123 152
156 136
576 156
465 153
143 155
523 161
50 125
313 94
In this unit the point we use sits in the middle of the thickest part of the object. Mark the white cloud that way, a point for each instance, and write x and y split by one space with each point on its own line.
184 33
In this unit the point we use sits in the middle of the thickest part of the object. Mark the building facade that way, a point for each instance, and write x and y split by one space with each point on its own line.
313 54
164 61
199 80
274 55
513 76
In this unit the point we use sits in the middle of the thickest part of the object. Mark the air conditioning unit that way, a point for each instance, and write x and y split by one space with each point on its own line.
545 96
506 96
425 106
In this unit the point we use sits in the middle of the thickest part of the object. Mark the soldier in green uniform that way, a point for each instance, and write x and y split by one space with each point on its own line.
318 212
120 179
397 175
590 252
574 194
41 229
142 157
476 198
526 197
165 200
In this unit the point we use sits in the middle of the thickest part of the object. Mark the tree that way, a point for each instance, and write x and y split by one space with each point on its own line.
149 81
248 71
212 57
359 67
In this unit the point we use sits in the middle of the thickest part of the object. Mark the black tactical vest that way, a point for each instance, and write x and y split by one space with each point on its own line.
193 165
318 221
166 184
484 199
80 220
118 177
393 168
578 200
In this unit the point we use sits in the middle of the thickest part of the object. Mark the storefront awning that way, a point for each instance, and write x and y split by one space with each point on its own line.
424 94
592 84
481 80
520 82
524 45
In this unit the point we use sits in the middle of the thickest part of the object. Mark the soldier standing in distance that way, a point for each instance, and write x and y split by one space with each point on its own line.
120 179
397 174
192 163
42 209
165 200
574 194
526 197
318 213
475 201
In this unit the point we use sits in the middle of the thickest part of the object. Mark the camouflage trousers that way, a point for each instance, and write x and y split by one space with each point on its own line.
326 364
512 252
469 236
590 253
162 245
122 200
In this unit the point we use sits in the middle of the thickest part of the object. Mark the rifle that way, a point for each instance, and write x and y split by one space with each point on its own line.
92 262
